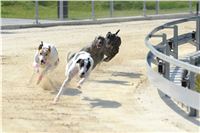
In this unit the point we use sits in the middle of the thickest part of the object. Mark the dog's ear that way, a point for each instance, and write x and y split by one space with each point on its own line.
94 42
78 61
108 34
49 49
117 32
40 46
96 39
88 65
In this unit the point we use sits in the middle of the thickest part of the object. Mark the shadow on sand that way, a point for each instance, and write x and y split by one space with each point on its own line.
102 103
130 75
178 110
111 81
69 92
127 74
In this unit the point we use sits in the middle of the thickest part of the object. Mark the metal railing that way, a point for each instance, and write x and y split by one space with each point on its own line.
166 52
113 9
162 56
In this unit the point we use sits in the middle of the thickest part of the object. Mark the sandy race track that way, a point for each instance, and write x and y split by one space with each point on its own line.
116 98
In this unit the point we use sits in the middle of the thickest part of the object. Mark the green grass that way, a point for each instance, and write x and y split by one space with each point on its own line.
16 9
26 9
82 9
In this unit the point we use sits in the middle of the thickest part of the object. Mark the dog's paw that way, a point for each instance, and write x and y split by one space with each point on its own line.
106 59
55 101
79 87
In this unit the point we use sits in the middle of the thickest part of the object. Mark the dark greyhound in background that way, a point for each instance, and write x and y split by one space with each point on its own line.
113 43
103 48
96 49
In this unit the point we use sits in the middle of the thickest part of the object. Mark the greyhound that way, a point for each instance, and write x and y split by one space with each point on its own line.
96 50
113 43
104 49
45 59
80 63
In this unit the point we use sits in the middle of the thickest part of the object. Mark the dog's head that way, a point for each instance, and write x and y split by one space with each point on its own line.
112 40
84 65
43 53
99 42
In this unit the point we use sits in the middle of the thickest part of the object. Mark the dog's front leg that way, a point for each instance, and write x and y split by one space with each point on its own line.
42 74
61 89
36 70
36 67
80 83
39 79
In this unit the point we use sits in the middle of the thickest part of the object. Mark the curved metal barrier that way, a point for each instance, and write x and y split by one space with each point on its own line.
167 52
165 57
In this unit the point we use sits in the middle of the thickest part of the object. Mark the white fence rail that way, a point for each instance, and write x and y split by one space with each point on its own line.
162 52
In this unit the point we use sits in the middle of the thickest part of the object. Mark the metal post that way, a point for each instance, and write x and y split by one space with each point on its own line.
61 10
190 6
144 8
36 12
173 44
65 9
157 7
166 52
198 33
175 48
93 13
166 64
192 111
111 8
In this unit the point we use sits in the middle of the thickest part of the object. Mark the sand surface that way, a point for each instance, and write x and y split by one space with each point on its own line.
117 98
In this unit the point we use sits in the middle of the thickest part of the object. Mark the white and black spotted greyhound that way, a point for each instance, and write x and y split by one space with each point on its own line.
80 63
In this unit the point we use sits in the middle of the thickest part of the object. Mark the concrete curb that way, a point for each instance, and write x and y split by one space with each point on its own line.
97 21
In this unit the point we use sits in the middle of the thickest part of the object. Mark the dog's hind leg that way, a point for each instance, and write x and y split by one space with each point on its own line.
51 82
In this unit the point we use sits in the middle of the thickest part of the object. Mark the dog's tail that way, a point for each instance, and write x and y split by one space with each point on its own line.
70 55
117 32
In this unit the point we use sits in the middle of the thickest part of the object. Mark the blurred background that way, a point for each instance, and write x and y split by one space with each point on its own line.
77 10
